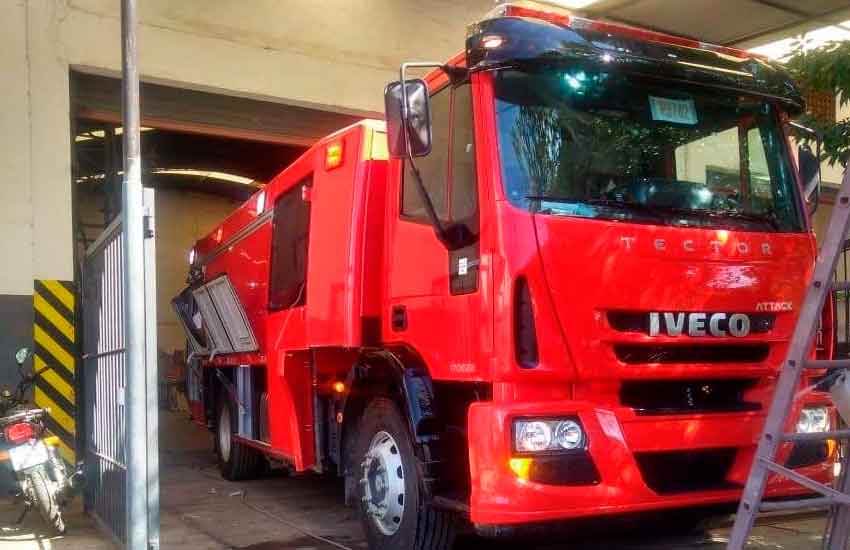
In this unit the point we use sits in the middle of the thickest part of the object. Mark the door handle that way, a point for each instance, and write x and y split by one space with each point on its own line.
398 318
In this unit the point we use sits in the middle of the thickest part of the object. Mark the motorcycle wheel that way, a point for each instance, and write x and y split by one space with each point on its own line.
45 500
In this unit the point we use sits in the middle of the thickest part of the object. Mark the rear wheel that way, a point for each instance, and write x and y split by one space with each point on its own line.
391 502
45 500
235 460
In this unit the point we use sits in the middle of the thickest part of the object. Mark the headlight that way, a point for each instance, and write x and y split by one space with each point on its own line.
192 257
534 436
813 420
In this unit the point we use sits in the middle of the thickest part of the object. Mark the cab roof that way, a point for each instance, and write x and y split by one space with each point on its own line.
517 36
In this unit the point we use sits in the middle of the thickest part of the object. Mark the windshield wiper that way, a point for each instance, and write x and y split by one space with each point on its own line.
637 207
611 203
632 207
550 198
659 211
768 218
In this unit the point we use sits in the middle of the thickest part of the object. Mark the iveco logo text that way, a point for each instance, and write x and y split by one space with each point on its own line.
689 245
699 324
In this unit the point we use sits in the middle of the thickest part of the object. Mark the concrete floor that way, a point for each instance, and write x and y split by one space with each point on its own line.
201 511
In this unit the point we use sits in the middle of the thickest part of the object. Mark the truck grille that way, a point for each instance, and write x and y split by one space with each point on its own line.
699 353
684 471
687 396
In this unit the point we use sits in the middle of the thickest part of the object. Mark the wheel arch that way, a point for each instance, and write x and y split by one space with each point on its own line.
402 376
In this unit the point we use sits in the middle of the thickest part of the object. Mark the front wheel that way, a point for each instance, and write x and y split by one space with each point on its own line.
44 498
393 511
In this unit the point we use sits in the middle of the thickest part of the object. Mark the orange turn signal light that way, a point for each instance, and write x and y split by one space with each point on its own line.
521 467
333 155
339 387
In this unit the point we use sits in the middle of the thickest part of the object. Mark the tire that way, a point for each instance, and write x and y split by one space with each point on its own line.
386 466
45 501
237 462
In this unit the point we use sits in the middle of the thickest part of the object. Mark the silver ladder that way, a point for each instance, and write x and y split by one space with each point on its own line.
837 500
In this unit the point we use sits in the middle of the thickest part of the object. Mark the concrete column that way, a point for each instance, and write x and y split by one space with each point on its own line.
35 167
50 130
16 223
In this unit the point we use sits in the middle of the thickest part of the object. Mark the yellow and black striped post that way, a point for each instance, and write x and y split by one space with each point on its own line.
55 357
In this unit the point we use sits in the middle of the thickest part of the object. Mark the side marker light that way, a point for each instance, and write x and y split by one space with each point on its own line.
333 155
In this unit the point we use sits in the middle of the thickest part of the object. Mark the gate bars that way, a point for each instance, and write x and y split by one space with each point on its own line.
108 390
120 359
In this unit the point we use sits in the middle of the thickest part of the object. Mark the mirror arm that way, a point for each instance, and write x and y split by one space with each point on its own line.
439 229
813 185
806 130
404 112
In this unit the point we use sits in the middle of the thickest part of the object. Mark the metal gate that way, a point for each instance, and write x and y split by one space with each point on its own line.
104 381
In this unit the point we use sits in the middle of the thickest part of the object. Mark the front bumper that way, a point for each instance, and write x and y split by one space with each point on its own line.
617 438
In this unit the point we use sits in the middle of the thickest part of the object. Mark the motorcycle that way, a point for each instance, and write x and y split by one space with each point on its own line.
43 480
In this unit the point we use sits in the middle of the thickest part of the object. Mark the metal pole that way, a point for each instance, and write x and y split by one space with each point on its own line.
152 393
134 289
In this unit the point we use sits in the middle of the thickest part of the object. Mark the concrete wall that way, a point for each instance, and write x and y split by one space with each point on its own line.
181 219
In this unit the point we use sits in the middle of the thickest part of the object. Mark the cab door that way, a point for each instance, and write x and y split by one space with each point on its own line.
437 298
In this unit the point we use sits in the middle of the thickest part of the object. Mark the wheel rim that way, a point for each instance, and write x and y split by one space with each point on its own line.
224 434
382 480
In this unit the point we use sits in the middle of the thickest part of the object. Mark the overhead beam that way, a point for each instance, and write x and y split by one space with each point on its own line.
805 24
606 13
804 20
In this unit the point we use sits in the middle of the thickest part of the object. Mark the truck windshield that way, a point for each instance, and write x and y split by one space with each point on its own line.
600 144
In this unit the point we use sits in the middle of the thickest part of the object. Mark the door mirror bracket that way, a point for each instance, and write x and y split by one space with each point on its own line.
809 165
408 115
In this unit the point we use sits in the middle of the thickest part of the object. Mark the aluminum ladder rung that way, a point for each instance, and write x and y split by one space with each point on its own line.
836 496
828 364
840 285
817 436
796 504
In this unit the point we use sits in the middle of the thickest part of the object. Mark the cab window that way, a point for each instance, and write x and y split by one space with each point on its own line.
448 172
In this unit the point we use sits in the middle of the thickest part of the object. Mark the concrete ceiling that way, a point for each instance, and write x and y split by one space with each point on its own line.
743 23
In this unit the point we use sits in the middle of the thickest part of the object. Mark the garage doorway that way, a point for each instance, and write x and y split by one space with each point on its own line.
203 154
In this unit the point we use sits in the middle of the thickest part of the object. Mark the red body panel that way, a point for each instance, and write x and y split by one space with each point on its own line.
347 203
365 259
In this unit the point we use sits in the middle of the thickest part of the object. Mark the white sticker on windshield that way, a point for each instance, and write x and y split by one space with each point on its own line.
680 111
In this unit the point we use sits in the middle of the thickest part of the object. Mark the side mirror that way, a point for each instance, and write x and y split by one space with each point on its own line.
809 164
417 125
21 356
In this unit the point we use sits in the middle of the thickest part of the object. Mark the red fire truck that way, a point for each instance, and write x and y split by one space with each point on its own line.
557 282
